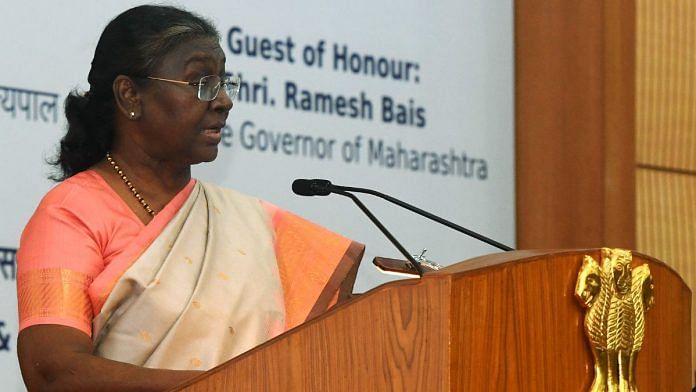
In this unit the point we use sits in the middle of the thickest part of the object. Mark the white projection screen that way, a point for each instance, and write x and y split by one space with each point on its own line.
411 98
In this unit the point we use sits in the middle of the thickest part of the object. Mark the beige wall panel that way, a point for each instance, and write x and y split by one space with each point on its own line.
666 83
666 226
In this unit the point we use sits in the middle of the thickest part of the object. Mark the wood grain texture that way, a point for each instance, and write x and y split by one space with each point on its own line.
666 224
528 329
666 84
511 325
619 123
388 340
574 94
534 336
666 135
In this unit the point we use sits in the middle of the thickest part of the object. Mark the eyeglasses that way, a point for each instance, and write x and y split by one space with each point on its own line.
209 86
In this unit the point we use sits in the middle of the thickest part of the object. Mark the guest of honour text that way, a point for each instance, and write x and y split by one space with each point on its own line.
331 57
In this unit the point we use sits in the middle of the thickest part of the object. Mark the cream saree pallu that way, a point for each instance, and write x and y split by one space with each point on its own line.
227 273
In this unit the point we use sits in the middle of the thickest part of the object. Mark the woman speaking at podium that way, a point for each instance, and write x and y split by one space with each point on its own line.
131 274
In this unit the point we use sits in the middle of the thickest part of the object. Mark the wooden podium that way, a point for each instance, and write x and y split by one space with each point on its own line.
503 322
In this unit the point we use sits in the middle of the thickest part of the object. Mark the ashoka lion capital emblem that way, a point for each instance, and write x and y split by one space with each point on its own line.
617 297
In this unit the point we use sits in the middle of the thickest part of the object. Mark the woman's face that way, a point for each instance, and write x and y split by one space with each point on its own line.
175 125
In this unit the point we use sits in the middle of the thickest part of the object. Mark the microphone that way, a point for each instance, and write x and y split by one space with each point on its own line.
319 187
314 187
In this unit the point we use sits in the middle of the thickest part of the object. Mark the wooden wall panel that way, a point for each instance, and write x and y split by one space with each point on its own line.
666 219
666 135
666 226
574 64
666 84
606 96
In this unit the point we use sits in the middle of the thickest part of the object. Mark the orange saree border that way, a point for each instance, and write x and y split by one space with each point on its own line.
50 294
340 286
312 261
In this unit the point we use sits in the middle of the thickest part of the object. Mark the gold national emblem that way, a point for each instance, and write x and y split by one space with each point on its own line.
616 296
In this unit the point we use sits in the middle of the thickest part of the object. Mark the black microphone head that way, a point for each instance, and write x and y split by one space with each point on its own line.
302 187
315 187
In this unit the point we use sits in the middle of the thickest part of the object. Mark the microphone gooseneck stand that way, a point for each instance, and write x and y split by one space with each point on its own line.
416 265
320 187
426 214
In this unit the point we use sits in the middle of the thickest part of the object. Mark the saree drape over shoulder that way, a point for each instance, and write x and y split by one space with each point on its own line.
214 274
